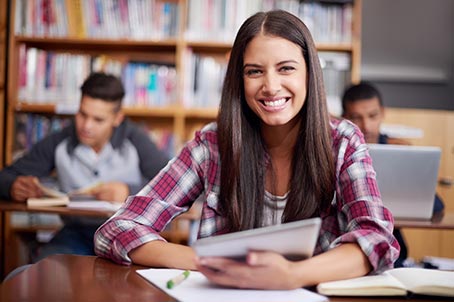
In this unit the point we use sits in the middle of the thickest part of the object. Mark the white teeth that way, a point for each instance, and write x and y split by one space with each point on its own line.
275 103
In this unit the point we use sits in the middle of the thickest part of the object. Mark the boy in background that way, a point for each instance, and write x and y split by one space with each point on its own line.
100 146
363 105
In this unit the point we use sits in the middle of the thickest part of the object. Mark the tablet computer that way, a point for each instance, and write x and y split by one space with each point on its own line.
294 240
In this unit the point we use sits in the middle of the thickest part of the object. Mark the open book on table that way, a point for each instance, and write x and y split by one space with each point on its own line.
394 282
54 197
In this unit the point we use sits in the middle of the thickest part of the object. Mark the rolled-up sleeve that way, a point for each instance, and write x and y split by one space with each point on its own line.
145 215
358 214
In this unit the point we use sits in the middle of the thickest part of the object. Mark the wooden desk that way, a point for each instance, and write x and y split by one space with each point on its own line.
7 207
89 278
174 234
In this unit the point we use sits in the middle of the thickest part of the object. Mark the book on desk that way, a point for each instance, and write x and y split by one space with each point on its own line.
395 282
76 199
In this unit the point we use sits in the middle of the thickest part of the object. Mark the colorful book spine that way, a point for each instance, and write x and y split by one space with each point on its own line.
52 77
102 19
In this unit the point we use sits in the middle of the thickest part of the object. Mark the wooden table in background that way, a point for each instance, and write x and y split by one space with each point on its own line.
440 221
88 278
173 234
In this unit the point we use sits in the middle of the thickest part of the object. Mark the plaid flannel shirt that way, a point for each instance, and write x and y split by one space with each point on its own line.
356 213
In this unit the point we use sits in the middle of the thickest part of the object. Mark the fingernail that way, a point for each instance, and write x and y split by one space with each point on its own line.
252 258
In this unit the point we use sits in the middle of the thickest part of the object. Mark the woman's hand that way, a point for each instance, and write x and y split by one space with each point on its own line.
262 270
267 270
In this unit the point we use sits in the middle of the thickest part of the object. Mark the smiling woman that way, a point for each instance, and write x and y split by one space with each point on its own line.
274 156
272 80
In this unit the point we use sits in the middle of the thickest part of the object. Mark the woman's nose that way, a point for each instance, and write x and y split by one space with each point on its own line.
271 83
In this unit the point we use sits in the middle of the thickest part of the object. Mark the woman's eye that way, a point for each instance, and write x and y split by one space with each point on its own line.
253 72
287 68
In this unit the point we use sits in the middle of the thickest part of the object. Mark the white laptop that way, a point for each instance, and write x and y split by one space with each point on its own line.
407 178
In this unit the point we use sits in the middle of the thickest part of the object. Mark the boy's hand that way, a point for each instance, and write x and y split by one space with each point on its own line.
25 187
111 191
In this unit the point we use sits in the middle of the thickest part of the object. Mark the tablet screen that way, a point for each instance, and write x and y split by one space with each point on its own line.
294 240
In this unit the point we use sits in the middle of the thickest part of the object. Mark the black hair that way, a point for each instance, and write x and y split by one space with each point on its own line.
361 91
103 86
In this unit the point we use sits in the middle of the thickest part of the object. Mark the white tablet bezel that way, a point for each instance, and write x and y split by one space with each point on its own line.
294 240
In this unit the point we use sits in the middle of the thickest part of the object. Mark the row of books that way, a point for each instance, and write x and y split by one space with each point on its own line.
157 19
52 77
30 128
336 76
203 80
132 19
149 85
221 19
49 77
205 76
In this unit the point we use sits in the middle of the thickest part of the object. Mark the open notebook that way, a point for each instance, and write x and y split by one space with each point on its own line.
395 282
77 199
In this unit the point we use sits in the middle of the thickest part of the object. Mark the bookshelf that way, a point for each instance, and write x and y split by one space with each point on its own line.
3 50
188 35
120 45
178 46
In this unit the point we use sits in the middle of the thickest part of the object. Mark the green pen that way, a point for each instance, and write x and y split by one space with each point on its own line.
178 279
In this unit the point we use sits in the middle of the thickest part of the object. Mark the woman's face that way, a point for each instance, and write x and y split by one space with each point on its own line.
275 79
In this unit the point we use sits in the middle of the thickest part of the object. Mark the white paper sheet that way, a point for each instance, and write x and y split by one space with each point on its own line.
196 288
94 205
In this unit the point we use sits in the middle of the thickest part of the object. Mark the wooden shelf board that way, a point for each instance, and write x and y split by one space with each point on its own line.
170 111
334 47
155 111
208 113
221 47
226 47
34 108
89 43
166 112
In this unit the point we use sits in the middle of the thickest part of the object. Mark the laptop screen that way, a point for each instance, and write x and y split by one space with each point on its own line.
407 178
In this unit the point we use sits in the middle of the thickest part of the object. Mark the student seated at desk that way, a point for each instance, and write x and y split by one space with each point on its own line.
273 156
100 146
363 105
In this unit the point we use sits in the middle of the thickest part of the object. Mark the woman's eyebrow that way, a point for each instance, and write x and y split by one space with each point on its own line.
287 61
279 63
251 65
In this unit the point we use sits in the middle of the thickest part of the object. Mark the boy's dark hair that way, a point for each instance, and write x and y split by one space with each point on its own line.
361 91
103 86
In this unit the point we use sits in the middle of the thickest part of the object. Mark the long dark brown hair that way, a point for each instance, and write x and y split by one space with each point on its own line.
242 150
